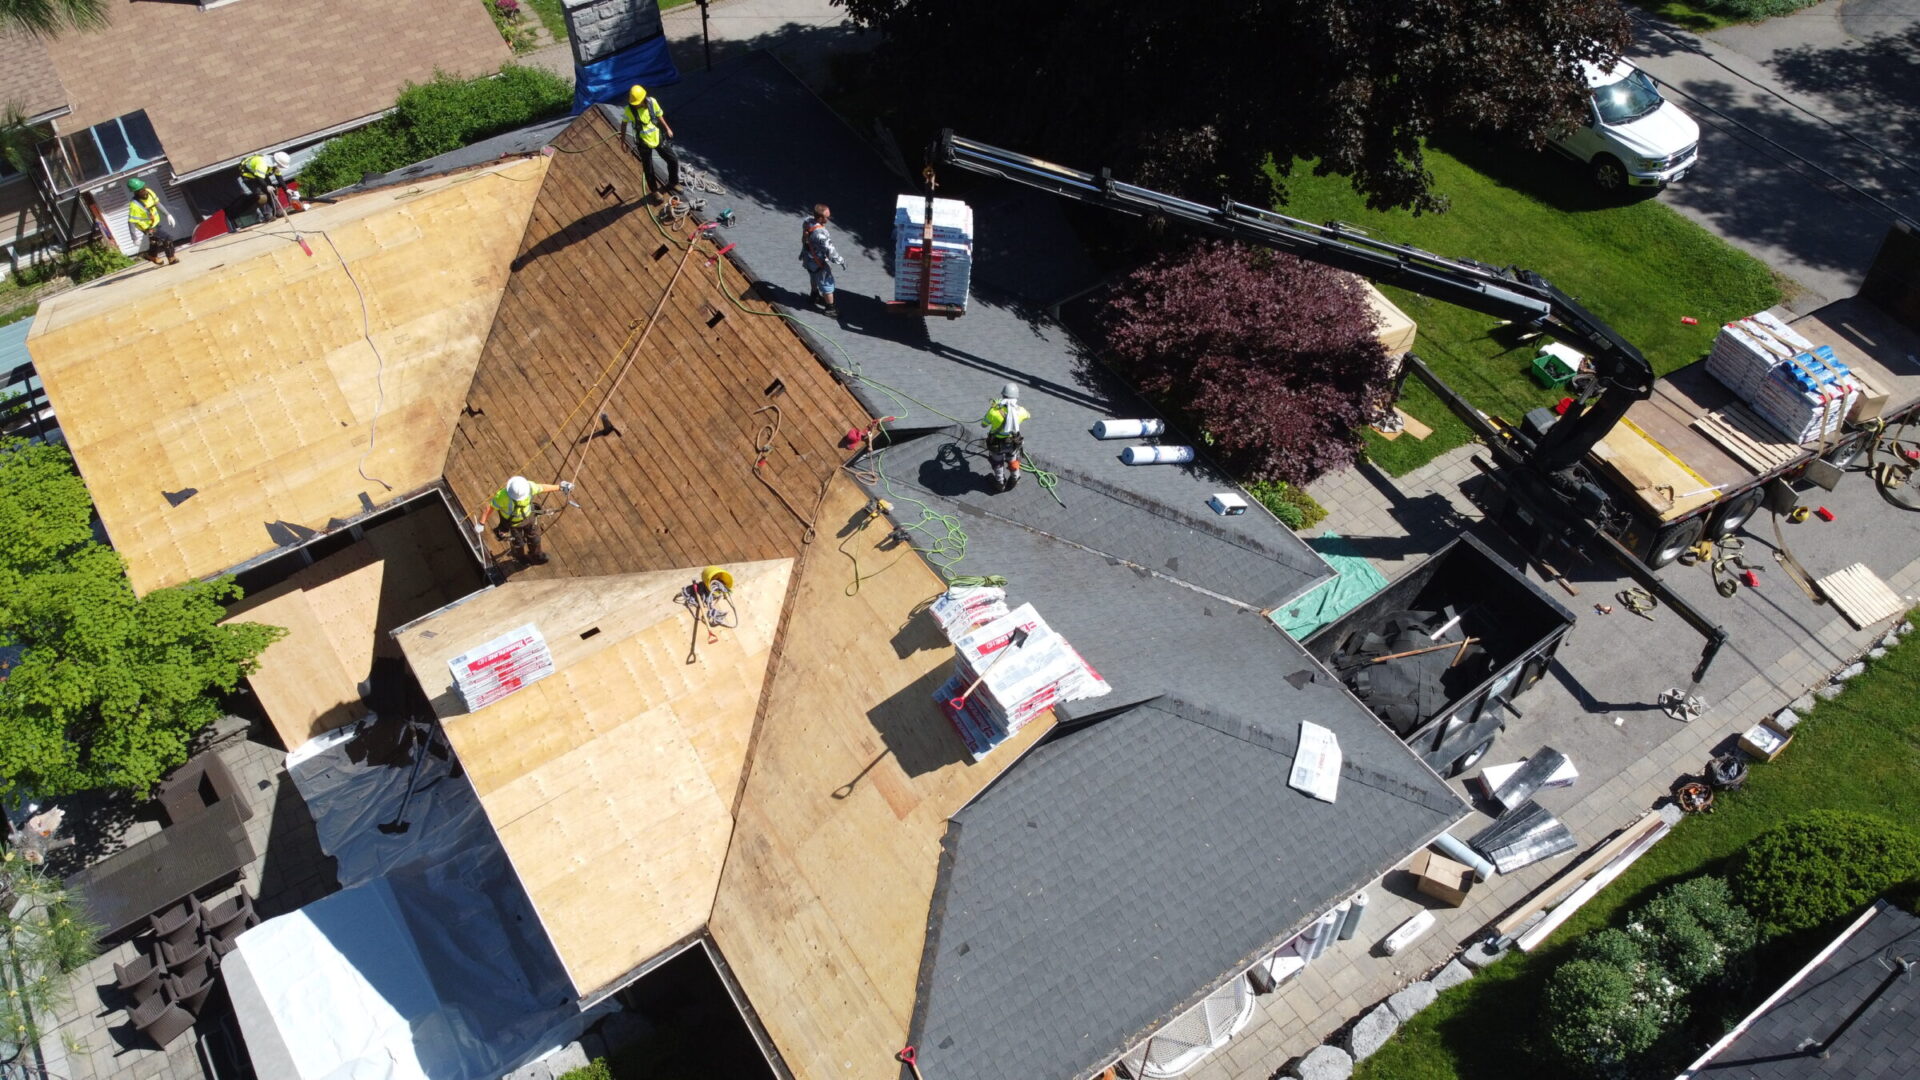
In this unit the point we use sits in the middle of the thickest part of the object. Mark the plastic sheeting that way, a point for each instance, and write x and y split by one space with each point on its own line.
430 964
607 81
1355 581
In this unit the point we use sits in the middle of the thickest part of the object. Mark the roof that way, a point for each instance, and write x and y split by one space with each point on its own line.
664 447
226 81
337 612
610 782
28 80
1852 993
823 904
215 419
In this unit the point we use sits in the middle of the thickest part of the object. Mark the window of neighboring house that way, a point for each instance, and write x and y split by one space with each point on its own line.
103 150
8 174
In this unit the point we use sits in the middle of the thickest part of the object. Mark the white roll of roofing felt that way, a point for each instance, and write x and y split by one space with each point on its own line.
1128 429
1157 455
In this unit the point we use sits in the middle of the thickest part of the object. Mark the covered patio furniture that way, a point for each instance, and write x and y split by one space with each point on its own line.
120 890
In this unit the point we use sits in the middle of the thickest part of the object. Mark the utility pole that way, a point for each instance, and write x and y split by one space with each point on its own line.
706 43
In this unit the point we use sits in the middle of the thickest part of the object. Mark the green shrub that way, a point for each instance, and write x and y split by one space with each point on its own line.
597 1069
1695 932
24 311
1599 1015
1822 866
435 117
94 261
1292 505
1755 10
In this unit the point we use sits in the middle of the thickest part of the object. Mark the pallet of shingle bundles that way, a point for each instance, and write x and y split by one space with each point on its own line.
1747 350
1022 667
948 267
962 608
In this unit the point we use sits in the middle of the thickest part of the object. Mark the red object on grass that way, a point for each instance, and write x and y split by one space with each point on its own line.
1825 514
1689 320
1560 407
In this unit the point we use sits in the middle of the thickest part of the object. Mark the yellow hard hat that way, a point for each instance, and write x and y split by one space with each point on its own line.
636 95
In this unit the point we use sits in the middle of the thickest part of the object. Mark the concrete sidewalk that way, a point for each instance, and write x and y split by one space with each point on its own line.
1810 133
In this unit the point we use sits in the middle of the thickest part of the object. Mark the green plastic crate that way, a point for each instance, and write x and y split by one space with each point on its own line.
1552 372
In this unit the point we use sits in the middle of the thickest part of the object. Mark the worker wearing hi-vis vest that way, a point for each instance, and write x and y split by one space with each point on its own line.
519 523
151 221
818 256
1003 422
651 135
261 175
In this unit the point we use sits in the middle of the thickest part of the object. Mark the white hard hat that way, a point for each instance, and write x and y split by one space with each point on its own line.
283 159
1010 391
519 488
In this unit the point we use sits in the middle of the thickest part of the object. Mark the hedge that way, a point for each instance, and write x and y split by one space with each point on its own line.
1821 866
435 117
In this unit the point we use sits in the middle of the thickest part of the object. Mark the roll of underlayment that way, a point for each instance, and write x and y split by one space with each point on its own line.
1356 907
1457 850
1128 429
1156 455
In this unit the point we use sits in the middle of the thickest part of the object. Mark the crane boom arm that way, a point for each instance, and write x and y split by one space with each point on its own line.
1520 296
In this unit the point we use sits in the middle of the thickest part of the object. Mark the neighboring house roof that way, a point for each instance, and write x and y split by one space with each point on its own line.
666 467
28 80
227 405
1855 993
610 782
230 80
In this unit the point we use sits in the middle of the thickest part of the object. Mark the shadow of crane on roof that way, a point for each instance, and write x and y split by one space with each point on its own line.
583 229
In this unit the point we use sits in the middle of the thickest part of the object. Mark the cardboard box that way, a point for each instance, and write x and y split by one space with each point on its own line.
1763 742
1441 878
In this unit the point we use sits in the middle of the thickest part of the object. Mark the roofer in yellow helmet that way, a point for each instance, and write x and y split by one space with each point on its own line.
648 120
152 221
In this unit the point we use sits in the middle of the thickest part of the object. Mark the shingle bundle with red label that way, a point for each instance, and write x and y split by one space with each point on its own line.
963 607
949 266
1016 682
1800 388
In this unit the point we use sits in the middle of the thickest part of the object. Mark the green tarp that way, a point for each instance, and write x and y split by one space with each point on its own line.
1357 580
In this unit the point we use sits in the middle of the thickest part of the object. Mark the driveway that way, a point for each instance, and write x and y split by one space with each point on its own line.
1810 134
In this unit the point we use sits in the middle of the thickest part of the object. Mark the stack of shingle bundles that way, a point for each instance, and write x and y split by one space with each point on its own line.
964 608
952 255
1800 388
1808 396
1017 682
1748 349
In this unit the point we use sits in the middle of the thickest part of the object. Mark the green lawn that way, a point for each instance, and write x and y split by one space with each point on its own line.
1701 16
1858 752
1636 264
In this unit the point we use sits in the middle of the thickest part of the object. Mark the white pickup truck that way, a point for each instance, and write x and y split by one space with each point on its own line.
1633 137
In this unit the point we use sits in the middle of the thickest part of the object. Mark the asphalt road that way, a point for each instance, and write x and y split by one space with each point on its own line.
1810 134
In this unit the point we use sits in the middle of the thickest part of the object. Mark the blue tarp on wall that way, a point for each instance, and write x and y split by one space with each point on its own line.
606 81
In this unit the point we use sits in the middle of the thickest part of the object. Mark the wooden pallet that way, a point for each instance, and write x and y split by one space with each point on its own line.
1740 432
1860 595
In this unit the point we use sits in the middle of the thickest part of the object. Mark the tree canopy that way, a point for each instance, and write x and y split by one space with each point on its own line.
1201 98
105 689
1274 358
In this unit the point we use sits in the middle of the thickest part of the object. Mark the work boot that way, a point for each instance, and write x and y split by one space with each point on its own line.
173 260
539 558
830 311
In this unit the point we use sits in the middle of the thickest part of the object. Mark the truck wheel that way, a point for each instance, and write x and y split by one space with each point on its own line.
1471 758
1674 539
1736 512
1848 450
1608 174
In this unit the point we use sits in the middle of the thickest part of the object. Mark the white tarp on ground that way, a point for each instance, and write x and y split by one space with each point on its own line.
338 991
428 964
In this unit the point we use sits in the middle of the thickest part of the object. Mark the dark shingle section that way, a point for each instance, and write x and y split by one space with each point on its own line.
1125 868
1882 1044
796 153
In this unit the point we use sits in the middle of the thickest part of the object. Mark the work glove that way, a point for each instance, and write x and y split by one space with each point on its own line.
479 527
170 221
566 485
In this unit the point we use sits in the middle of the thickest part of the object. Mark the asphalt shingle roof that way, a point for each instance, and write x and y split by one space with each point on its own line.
1883 1043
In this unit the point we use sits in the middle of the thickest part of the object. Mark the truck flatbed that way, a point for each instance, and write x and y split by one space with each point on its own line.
1694 434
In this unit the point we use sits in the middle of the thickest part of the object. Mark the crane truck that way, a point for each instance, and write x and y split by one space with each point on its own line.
1638 468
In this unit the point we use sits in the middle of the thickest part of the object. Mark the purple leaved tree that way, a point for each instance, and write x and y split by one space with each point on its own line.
1275 359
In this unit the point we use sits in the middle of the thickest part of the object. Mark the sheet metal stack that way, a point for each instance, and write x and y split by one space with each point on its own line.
952 271
1017 682
1527 833
1800 388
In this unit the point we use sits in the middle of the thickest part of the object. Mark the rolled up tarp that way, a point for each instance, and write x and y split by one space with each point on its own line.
1157 455
1128 429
